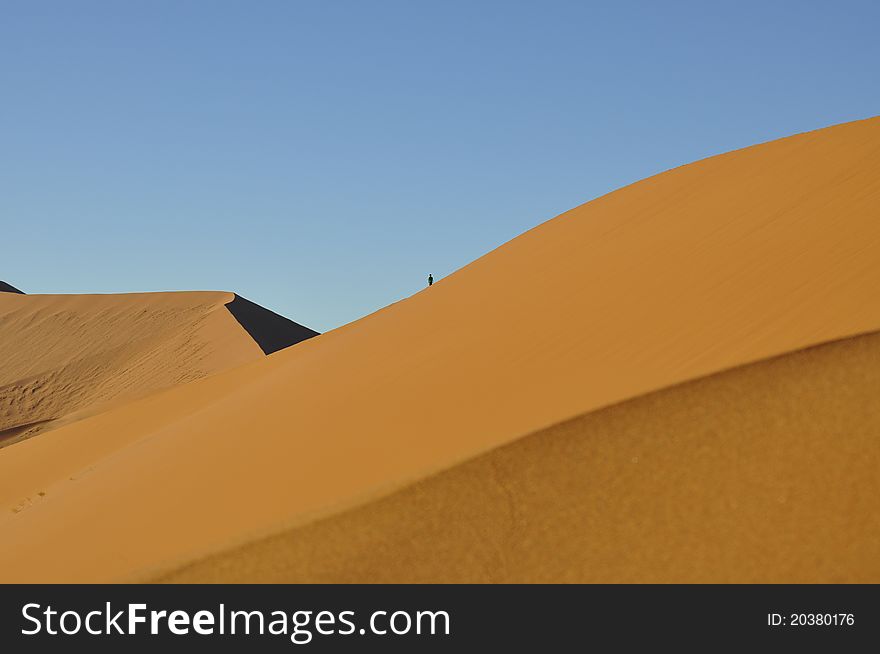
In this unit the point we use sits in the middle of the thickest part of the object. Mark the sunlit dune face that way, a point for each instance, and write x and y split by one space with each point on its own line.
467 429
66 357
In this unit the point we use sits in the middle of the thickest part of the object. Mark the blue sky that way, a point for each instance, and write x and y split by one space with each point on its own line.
321 158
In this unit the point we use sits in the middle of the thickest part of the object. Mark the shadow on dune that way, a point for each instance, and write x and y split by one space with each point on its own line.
269 330
21 432
9 288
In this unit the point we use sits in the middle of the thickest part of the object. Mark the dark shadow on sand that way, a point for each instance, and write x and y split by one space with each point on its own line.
8 288
269 330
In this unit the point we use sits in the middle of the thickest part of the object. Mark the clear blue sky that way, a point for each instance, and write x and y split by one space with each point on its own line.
322 157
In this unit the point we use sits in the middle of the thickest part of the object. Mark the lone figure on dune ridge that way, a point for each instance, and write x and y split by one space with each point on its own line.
430 279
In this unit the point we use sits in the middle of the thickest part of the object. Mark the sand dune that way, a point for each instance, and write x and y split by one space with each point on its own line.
65 357
766 473
728 261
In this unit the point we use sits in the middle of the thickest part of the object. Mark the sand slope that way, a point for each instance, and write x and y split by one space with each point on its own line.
726 261
64 357
766 473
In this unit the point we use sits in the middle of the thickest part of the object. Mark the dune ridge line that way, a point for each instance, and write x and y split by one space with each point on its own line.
737 258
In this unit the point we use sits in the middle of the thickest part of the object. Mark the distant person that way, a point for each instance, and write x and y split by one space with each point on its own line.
430 280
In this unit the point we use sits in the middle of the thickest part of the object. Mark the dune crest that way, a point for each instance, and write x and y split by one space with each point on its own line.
720 263
65 357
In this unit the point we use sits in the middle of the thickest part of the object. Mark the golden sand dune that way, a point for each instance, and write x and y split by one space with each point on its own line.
765 473
728 261
67 356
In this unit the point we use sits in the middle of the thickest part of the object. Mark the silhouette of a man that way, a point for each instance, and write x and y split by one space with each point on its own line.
430 280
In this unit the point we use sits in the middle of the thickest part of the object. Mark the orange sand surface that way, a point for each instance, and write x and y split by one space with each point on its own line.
64 357
765 473
731 260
